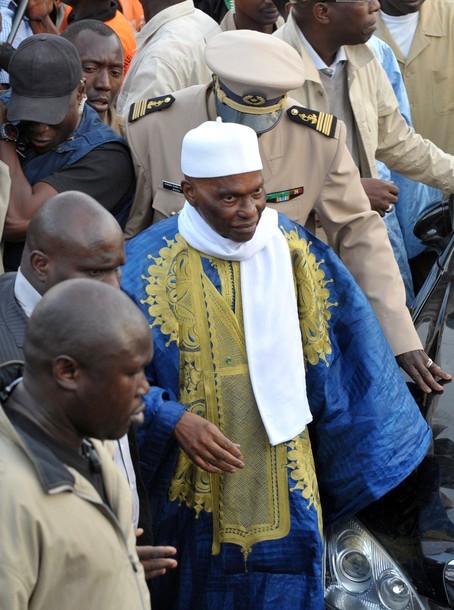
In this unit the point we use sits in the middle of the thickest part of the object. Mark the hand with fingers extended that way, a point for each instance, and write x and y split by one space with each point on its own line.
382 194
156 560
422 370
206 445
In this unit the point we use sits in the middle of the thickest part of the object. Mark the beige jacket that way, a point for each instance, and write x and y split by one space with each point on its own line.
383 132
428 71
5 186
170 54
293 156
61 547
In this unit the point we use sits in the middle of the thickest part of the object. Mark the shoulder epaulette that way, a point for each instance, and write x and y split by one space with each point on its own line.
143 107
320 121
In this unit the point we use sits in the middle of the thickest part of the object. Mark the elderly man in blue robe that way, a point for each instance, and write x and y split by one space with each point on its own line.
281 404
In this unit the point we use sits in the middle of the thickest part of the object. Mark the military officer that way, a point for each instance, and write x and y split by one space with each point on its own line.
306 166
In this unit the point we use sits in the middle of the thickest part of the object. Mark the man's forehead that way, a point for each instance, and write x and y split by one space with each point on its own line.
93 45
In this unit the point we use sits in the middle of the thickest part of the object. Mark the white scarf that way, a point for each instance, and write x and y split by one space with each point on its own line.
271 326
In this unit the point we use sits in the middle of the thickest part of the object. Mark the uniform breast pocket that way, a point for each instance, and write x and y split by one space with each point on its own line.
167 203
443 90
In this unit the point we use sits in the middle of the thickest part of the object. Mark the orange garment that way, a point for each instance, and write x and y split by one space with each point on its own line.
122 28
133 11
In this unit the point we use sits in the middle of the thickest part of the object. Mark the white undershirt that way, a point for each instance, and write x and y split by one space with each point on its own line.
402 28
28 297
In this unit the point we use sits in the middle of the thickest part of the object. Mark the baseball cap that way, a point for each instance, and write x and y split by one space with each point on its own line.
252 74
43 71
215 149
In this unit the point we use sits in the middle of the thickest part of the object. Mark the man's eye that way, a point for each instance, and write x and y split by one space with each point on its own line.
116 73
95 272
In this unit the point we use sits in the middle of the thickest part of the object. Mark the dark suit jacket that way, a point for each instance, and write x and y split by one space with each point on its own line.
12 329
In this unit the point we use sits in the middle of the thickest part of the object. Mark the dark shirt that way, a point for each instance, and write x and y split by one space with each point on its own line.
108 164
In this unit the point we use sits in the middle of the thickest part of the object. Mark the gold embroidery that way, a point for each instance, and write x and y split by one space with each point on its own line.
302 470
309 118
313 299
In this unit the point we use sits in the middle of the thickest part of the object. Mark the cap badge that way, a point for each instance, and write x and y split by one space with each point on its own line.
254 99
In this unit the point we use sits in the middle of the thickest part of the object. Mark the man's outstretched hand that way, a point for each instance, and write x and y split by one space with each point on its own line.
155 559
206 445
422 370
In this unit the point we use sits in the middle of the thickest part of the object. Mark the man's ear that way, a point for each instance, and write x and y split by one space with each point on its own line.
66 372
81 91
40 264
321 12
188 191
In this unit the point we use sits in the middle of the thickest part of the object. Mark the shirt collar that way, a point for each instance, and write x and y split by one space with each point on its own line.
318 61
27 296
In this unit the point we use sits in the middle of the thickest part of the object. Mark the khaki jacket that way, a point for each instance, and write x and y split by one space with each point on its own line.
428 71
382 131
62 548
115 121
5 186
294 156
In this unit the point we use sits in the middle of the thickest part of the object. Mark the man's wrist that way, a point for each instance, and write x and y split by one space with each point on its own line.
9 132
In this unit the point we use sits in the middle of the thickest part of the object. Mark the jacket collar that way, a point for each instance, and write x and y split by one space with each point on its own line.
53 475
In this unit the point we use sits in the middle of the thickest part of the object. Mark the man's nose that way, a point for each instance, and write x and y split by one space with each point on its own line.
248 206
37 128
103 81
113 278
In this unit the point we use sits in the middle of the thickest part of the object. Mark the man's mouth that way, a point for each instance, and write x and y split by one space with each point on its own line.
100 104
137 416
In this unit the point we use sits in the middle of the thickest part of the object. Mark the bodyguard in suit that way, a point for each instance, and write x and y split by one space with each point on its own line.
73 236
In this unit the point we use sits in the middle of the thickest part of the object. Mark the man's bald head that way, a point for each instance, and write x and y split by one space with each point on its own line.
86 320
72 235
85 346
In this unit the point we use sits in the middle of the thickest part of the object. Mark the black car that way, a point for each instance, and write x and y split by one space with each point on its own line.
398 554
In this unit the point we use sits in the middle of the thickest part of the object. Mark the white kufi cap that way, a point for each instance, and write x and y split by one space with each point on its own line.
216 149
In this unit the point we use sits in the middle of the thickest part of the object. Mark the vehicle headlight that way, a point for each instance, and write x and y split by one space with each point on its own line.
361 575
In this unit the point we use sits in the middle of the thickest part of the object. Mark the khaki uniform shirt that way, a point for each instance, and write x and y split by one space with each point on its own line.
294 157
382 131
428 71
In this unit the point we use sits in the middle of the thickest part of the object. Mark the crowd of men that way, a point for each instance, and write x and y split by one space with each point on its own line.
202 317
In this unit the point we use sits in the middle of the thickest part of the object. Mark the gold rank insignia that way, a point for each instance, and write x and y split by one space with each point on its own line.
143 107
320 121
